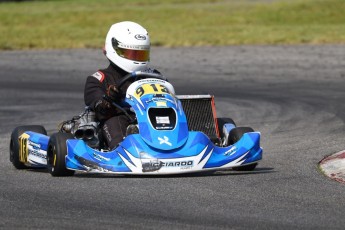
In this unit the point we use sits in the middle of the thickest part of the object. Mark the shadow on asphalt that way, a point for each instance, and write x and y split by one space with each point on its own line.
187 175
229 172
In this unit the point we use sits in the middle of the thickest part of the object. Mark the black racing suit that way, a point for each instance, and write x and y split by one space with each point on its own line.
113 121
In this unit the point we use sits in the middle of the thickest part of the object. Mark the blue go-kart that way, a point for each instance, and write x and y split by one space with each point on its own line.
168 134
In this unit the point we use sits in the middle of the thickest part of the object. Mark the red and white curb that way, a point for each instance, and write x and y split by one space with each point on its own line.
334 166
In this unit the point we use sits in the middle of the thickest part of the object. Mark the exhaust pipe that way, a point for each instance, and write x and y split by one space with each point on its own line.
89 133
85 133
79 134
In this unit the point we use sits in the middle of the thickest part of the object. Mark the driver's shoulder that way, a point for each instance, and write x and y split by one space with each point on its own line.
105 73
99 75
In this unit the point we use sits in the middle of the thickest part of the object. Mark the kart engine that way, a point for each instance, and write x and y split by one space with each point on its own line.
83 127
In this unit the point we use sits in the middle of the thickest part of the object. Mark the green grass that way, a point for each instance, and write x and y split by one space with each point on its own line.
81 23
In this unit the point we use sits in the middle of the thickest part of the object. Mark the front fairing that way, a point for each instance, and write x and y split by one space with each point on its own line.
161 119
135 156
198 153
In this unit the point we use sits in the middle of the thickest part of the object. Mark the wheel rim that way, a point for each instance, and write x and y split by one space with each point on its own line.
52 158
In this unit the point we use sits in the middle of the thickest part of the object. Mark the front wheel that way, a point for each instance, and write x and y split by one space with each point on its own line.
56 154
250 167
18 156
235 135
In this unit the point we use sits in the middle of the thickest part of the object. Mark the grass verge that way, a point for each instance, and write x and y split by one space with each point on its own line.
84 23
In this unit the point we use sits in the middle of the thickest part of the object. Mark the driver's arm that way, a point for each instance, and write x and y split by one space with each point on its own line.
93 97
93 92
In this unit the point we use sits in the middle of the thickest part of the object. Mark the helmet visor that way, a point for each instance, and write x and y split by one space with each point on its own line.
134 55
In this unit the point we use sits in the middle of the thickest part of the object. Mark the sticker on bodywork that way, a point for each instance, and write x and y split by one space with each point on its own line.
150 89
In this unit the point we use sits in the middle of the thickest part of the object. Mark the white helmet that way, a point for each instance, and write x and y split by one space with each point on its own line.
127 45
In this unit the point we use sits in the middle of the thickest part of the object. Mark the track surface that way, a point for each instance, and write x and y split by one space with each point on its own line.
294 95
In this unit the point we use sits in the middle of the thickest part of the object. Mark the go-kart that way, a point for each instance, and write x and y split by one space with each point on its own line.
160 140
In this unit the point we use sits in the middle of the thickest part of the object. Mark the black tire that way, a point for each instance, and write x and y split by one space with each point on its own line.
221 121
237 133
14 142
56 153
250 167
234 136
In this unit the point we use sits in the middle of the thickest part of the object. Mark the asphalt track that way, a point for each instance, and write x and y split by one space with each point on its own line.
293 95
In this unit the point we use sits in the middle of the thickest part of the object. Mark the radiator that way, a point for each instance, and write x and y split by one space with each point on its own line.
201 114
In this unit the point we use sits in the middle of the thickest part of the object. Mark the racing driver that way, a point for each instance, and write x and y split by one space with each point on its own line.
127 47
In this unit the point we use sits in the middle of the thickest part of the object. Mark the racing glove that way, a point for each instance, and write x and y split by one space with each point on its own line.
103 110
113 93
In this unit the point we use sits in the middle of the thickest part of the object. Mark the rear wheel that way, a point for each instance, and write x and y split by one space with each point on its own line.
56 154
234 136
15 145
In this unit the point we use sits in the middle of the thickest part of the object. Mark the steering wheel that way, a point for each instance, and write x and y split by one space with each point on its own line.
138 75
